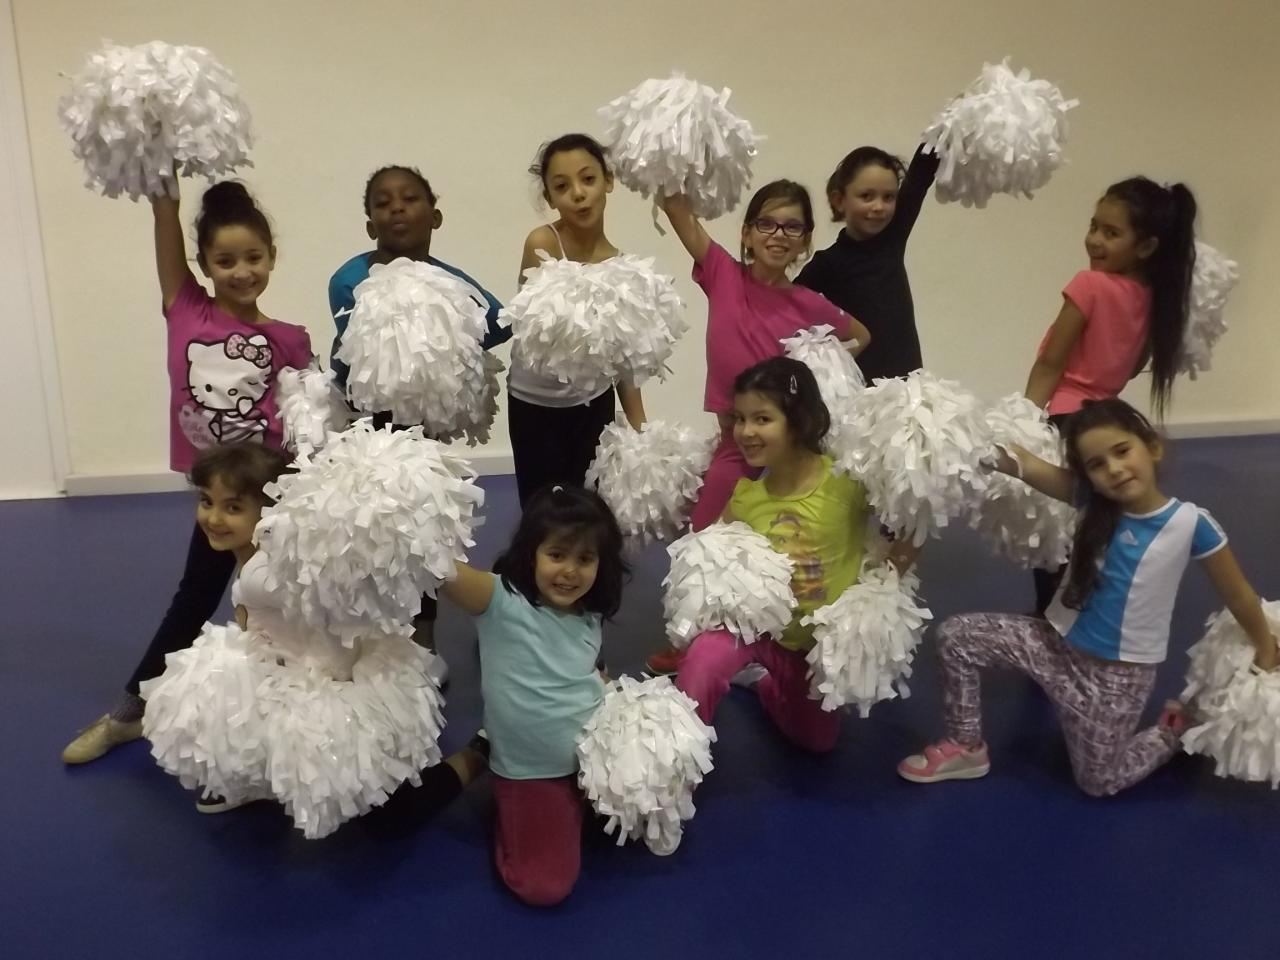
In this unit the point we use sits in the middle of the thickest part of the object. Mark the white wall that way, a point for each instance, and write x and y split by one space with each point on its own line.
1171 88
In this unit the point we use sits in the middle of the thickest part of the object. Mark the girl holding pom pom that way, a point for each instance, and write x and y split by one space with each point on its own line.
1108 628
554 427
538 617
807 511
224 354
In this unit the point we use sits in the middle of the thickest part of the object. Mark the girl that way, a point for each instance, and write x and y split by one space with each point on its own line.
751 305
401 215
1108 628
224 353
809 512
864 272
538 617
1129 307
555 427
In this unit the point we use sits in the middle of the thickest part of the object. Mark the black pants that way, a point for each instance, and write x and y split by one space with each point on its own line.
555 444
204 581
429 608
1047 581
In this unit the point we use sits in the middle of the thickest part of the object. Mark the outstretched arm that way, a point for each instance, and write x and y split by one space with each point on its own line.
688 228
1243 602
470 589
1053 481
1048 368
171 251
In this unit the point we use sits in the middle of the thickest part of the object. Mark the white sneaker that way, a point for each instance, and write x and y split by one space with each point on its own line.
749 676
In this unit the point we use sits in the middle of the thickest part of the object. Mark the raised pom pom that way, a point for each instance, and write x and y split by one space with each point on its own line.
917 445
1212 280
640 757
837 373
726 576
865 640
311 408
1025 525
1005 134
1237 706
361 531
133 113
592 323
650 477
679 136
413 346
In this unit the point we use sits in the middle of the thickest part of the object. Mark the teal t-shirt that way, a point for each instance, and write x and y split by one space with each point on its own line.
539 682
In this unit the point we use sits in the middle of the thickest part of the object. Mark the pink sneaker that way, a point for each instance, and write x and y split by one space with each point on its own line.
946 760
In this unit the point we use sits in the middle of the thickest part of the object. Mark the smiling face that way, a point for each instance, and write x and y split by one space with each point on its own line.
778 236
565 568
239 262
868 202
1112 244
576 187
760 430
227 517
402 215
1121 467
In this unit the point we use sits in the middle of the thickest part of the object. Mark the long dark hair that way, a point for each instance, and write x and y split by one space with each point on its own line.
1100 515
791 386
1168 215
567 512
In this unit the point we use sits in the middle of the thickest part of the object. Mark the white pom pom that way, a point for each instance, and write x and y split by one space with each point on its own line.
1212 280
916 444
640 757
589 324
837 373
679 136
311 408
865 641
361 531
135 112
1236 705
413 346
1028 527
726 576
650 477
1004 135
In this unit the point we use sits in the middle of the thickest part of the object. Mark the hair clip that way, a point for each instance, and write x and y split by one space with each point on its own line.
794 386
557 489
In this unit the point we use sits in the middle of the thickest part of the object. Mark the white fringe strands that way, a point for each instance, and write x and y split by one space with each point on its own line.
366 527
590 324
413 346
312 408
136 113
726 577
1212 280
1028 527
650 477
1005 134
1236 705
837 373
640 757
679 136
865 641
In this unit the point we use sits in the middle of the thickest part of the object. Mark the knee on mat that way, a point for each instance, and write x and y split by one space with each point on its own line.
542 892
1095 785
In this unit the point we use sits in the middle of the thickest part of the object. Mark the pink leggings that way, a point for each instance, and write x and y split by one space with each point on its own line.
538 837
716 656
727 467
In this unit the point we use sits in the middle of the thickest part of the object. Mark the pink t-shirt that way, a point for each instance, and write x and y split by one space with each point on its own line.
1117 314
222 375
746 319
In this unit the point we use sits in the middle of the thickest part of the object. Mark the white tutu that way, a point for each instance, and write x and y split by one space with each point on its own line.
311 408
726 576
590 324
640 757
413 346
837 373
135 112
1004 135
679 136
1212 280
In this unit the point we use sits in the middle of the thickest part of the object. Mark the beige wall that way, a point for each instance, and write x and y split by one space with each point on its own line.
1177 90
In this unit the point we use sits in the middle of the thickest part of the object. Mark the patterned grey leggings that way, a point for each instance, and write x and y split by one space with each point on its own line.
1099 702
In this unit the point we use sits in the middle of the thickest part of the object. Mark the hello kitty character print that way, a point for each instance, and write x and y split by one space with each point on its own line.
222 374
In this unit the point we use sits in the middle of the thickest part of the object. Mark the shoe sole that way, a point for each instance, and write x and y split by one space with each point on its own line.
970 773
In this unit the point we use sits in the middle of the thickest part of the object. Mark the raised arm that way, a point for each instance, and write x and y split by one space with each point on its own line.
1243 602
632 404
469 589
688 228
1047 370
1052 481
171 251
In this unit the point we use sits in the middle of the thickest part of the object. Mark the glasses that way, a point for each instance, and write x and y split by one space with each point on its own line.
792 229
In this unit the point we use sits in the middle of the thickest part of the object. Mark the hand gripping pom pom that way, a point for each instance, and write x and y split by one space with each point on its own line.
589 324
837 373
678 136
1004 135
640 757
917 445
865 641
650 477
311 408
362 530
1027 526
1212 280
413 345
1236 706
133 113
726 577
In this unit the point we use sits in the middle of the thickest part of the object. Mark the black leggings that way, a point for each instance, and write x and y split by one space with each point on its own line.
555 444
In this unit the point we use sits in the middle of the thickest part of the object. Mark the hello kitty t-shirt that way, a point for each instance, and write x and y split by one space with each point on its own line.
222 375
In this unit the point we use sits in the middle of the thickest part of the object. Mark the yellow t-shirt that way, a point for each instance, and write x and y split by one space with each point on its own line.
823 530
